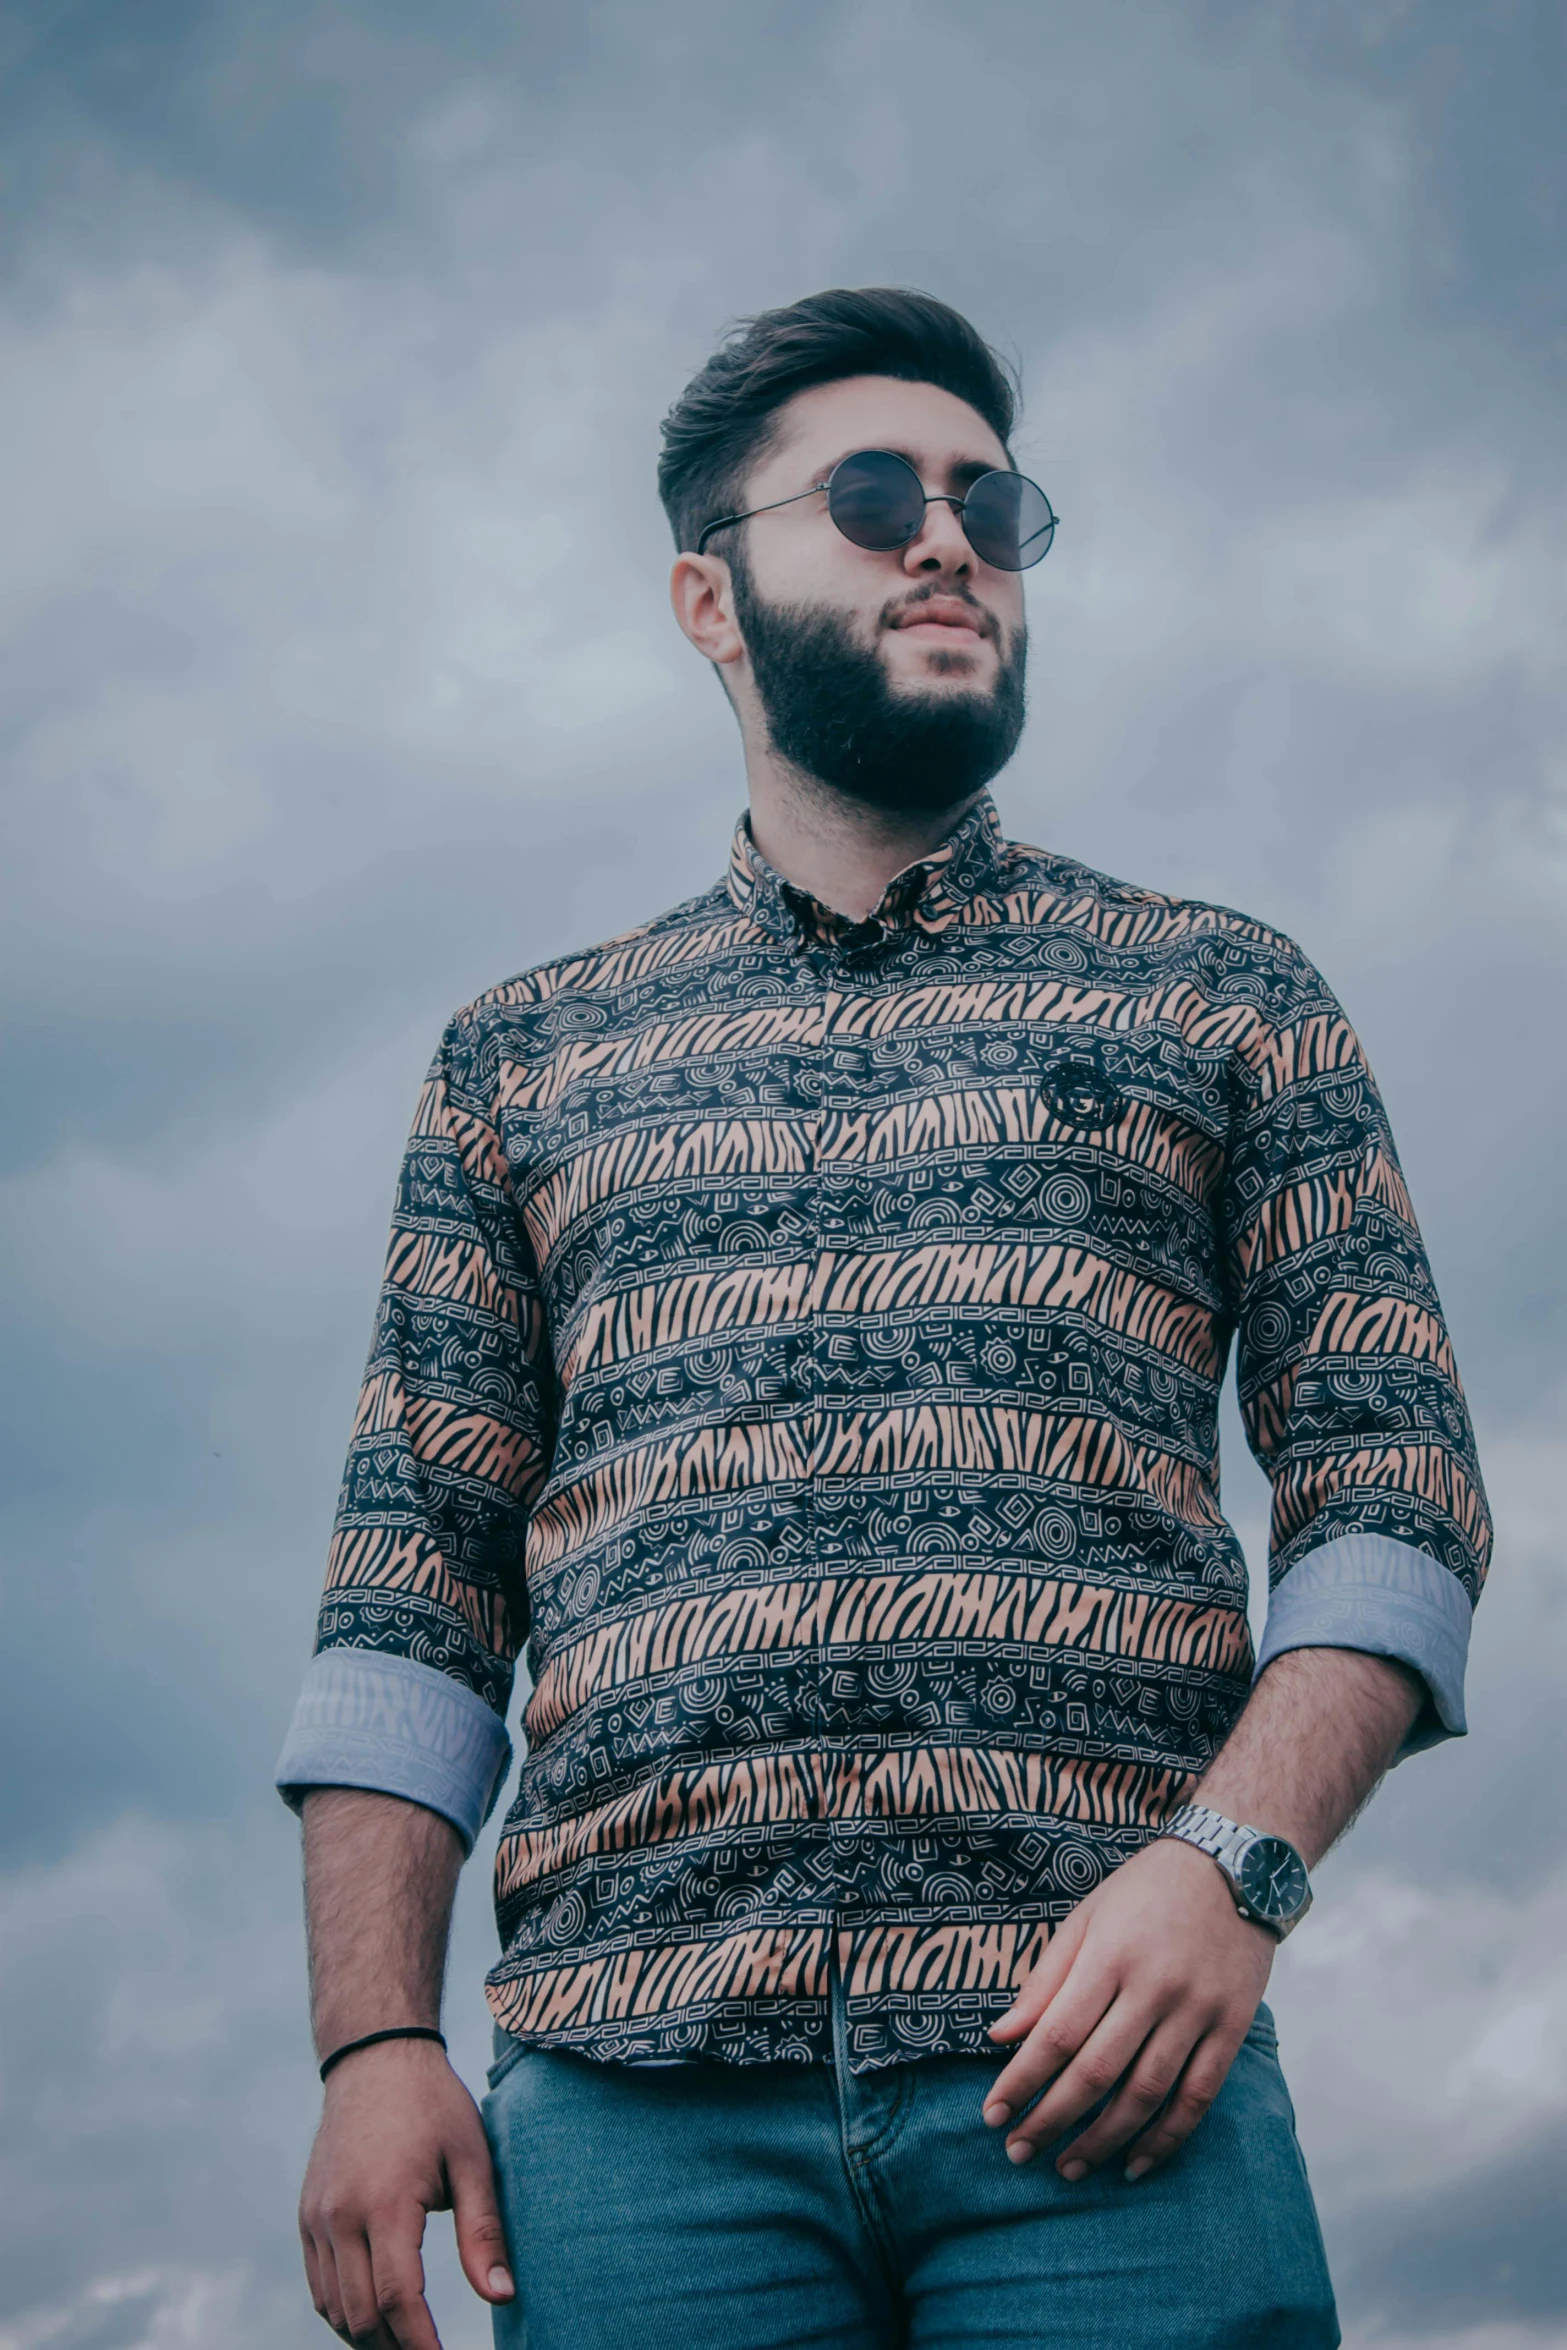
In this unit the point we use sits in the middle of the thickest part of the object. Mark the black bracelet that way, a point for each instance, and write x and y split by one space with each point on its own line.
397 2032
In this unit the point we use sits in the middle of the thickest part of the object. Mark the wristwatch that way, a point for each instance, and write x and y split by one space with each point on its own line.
1265 1873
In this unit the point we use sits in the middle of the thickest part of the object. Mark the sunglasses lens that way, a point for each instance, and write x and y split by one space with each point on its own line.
876 500
1008 520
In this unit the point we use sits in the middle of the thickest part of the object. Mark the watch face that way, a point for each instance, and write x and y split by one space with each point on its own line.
1273 1880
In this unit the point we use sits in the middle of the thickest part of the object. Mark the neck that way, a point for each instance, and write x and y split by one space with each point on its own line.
840 850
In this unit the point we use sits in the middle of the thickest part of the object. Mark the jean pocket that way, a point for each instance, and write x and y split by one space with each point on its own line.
1263 2034
507 2060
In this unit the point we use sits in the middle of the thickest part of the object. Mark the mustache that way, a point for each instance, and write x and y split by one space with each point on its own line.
890 615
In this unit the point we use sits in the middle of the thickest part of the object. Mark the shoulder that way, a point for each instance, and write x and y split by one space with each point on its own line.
528 1011
1229 955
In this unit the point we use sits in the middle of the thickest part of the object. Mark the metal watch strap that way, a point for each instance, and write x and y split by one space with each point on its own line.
1227 1842
1210 1831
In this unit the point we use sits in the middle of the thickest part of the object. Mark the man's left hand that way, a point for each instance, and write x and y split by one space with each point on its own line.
1144 1994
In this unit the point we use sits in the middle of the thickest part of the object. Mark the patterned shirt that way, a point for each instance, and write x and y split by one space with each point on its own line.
806 1335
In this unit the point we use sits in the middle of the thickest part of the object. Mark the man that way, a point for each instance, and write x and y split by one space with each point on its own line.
804 1325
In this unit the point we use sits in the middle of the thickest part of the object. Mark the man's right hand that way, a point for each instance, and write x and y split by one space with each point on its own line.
400 2137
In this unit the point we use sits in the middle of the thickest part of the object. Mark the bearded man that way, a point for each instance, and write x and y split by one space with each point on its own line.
804 1327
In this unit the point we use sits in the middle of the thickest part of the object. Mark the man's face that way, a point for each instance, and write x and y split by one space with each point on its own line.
938 619
895 678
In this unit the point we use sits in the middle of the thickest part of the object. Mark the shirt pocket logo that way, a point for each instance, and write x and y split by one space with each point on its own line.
1078 1093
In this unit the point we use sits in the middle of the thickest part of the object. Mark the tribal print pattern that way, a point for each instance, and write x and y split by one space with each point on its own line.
807 1337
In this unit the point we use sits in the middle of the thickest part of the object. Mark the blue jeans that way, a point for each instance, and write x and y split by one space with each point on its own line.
771 2207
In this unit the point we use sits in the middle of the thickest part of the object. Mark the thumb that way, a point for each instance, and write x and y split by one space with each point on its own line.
481 2239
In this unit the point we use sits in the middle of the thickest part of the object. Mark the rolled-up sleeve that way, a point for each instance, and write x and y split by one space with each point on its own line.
1387 1599
1380 1536
425 1602
367 1719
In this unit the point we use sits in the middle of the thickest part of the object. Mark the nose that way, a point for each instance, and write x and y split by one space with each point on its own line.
938 547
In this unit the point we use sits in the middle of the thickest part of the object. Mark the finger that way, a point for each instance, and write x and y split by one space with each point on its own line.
1148 2083
481 2238
397 2282
361 2320
331 2305
327 2293
1074 2014
314 2272
1206 2071
1096 2067
1044 1980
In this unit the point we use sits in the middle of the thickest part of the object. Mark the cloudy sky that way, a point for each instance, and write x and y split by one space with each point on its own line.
337 682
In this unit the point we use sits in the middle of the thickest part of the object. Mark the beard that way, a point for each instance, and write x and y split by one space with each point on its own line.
833 713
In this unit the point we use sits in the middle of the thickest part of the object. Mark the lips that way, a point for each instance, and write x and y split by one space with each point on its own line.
947 613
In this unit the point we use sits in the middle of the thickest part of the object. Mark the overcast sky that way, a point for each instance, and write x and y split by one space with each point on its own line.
337 682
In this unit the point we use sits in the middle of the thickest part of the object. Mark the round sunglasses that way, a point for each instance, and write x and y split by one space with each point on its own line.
878 501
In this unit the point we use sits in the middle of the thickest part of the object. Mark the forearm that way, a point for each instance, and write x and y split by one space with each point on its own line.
1318 1732
400 2136
380 1876
1147 1990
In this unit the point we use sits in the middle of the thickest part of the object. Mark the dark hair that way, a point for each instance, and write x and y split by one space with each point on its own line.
724 419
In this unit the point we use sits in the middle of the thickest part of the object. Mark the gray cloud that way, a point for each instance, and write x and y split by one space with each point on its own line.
1492 2246
336 681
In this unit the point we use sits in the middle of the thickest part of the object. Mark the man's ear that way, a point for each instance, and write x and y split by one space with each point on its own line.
702 594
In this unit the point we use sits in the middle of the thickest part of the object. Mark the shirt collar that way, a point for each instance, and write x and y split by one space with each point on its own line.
928 895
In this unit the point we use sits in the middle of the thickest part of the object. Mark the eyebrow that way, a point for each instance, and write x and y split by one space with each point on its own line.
962 474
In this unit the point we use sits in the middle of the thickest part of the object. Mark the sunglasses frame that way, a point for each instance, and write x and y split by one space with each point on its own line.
930 498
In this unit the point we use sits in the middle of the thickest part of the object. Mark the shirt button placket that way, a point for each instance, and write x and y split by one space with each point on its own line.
847 1066
811 1424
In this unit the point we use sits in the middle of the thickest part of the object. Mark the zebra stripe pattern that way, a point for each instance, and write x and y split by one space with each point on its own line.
806 1340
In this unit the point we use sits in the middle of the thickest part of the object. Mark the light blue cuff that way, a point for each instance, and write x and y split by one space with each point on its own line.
1369 1592
367 1719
